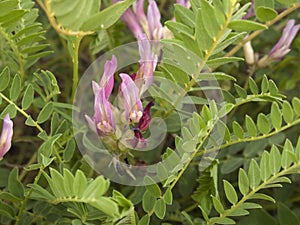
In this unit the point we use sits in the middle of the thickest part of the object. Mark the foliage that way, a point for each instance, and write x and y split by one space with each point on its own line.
234 161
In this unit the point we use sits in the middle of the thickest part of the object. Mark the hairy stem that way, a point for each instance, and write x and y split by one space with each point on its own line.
75 65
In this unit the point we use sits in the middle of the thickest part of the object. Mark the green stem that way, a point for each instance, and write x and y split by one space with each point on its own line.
248 196
75 65
25 200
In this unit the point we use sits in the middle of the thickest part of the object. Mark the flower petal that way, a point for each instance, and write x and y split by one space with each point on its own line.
6 136
107 80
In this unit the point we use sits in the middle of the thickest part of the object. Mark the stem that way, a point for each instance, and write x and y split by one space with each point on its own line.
22 112
208 53
261 186
59 29
75 65
24 202
268 24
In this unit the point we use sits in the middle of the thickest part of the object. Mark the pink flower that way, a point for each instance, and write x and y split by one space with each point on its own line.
103 121
156 31
145 75
6 136
103 116
132 102
283 45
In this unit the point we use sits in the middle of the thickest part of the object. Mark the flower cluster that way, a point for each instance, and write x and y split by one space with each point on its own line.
138 22
6 136
130 108
282 47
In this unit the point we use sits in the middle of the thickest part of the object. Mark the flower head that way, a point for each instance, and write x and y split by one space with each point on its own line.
6 136
132 102
282 47
145 75
103 116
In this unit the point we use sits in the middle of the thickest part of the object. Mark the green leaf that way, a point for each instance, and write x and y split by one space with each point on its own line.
287 154
106 205
230 192
203 40
15 187
15 89
265 166
254 174
4 78
69 150
296 105
148 201
160 208
145 220
80 182
273 88
240 91
238 130
276 116
153 188
28 97
223 220
45 113
246 25
265 13
107 17
184 15
243 182
251 127
217 205
274 160
11 109
265 84
263 124
168 196
262 197
253 86
287 112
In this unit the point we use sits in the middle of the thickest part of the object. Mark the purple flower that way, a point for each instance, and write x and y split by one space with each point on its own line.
156 31
145 75
103 121
251 11
130 19
146 118
283 45
130 96
6 136
107 80
103 116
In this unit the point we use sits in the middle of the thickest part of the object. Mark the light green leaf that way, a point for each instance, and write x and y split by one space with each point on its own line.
4 78
265 13
160 208
243 182
230 192
240 91
238 130
145 220
296 105
253 86
262 197
15 187
265 166
287 112
246 25
254 174
148 201
28 97
107 17
263 124
274 160
45 113
217 205
276 116
251 127
15 89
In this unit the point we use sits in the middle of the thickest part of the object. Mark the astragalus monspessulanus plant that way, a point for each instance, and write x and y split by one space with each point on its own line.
149 112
